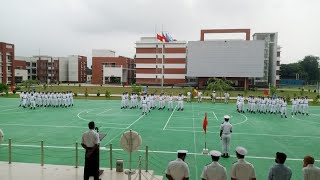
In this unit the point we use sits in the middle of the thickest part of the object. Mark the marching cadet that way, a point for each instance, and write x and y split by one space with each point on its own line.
132 101
242 169
135 100
178 169
188 96
71 97
213 96
294 106
152 101
226 97
123 99
144 105
21 99
225 135
161 102
199 97
305 106
241 104
148 102
170 102
214 171
263 105
32 101
180 102
126 100
24 100
284 108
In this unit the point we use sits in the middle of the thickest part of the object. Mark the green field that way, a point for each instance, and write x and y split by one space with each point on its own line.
163 131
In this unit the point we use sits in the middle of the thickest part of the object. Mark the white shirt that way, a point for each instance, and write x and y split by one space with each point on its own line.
214 171
180 98
226 128
178 169
226 94
242 170
214 95
90 138
189 93
311 172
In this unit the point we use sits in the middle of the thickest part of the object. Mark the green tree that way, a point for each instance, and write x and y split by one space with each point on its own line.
219 85
310 65
29 83
4 88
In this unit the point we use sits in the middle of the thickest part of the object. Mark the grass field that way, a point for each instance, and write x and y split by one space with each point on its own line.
163 131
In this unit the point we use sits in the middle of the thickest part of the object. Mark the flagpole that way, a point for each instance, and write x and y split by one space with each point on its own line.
205 150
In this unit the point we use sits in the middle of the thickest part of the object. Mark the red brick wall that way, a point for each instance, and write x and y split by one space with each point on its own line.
82 69
4 50
19 64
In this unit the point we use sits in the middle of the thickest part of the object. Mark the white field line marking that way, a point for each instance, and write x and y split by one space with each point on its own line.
251 134
293 116
8 109
215 115
125 129
104 111
194 141
169 118
142 150
87 111
81 127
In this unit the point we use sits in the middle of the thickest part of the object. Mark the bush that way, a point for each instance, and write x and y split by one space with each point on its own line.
302 92
273 90
86 94
98 94
316 99
294 94
314 91
108 94
288 98
76 94
79 85
14 91
136 89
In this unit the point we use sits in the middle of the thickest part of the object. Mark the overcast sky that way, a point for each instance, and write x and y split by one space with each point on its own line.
65 27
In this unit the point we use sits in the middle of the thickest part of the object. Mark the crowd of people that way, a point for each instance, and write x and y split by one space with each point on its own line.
46 99
241 169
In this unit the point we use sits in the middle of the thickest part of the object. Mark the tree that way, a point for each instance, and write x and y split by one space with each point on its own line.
310 65
219 85
3 88
29 83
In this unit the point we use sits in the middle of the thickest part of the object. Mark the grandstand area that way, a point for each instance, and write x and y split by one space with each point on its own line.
163 131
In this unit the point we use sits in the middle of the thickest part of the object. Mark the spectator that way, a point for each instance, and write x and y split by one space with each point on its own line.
178 169
310 172
242 170
214 171
280 171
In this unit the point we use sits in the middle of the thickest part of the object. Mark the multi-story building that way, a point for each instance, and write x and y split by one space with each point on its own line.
20 71
107 68
49 69
7 63
160 63
272 53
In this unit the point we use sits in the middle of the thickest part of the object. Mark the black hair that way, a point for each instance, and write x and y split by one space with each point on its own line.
91 125
281 157
215 158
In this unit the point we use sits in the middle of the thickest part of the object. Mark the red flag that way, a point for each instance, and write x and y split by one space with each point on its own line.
160 37
164 38
205 123
265 92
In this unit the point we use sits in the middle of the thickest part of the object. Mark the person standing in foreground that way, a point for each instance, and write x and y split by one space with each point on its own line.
90 142
225 135
242 170
280 171
214 171
310 171
178 169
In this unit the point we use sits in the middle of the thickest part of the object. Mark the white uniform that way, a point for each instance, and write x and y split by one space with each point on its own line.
214 96
161 100
32 101
214 171
178 169
144 106
180 102
294 106
199 96
242 170
148 102
305 106
24 100
188 96
170 103
226 129
21 99
311 172
90 138
123 101
226 97
284 109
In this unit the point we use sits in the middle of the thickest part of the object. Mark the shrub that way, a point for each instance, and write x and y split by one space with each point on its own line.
314 91
136 89
18 88
79 85
288 99
14 91
75 94
108 94
294 94
316 99
302 92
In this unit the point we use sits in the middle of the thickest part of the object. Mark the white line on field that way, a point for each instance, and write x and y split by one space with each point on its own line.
104 111
215 116
169 118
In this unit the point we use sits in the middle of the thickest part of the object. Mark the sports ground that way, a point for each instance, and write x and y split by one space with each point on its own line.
163 131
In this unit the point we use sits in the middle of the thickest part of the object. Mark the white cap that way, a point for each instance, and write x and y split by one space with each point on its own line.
215 153
214 91
226 117
182 151
241 150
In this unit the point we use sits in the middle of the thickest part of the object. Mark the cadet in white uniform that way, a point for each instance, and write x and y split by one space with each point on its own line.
305 106
32 101
180 102
214 171
123 101
189 96
199 97
21 99
284 109
226 97
170 102
213 95
178 169
144 105
225 135
294 106
310 171
24 100
242 170
161 102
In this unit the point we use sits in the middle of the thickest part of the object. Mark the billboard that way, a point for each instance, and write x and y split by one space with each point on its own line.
225 58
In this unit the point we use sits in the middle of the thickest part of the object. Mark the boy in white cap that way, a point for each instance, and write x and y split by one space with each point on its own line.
214 171
178 169
225 135
242 170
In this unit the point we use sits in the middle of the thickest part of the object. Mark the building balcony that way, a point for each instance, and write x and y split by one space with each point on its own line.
278 68
277 77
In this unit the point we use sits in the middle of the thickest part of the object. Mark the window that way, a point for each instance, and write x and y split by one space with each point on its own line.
278 63
278 72
278 54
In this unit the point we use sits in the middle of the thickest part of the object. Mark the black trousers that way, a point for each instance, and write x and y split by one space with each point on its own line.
91 165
